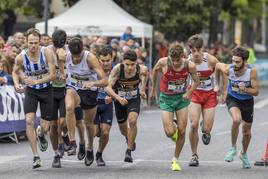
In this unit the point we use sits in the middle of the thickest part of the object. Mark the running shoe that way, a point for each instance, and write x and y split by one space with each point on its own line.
66 141
56 162
128 157
206 138
89 158
41 140
194 161
72 149
37 162
99 160
175 166
230 154
82 152
245 161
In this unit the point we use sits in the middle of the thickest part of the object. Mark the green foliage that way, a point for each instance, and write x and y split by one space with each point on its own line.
26 7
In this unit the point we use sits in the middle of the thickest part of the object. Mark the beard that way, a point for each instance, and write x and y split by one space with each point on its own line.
239 68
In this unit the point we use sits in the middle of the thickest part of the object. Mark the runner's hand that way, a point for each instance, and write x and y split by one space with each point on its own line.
223 97
143 94
241 86
29 81
19 88
217 89
108 99
122 101
88 85
153 93
2 80
62 77
186 96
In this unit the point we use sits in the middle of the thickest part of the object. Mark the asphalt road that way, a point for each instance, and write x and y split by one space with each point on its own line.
153 154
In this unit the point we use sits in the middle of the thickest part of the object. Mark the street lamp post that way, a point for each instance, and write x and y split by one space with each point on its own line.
46 15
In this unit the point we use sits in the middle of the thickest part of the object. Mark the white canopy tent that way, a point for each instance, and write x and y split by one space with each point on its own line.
96 17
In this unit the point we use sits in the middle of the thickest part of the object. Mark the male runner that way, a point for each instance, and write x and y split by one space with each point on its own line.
125 79
243 85
39 72
174 96
84 75
104 116
204 98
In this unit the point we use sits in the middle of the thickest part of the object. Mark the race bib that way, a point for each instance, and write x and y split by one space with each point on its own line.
204 84
128 94
76 82
175 87
38 77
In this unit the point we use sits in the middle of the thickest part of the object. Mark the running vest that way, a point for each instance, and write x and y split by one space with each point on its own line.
174 82
37 70
234 80
79 73
205 75
128 88
57 83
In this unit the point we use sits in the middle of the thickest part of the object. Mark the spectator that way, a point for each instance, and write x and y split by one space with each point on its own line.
114 44
86 42
9 55
45 40
5 78
18 39
127 34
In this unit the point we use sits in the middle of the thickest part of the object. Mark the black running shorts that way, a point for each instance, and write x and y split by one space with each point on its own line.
246 107
122 112
42 96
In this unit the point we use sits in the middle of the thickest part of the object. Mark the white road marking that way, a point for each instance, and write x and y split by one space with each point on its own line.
222 133
151 111
7 159
261 104
263 124
125 165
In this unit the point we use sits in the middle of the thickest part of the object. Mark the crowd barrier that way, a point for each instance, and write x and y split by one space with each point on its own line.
12 117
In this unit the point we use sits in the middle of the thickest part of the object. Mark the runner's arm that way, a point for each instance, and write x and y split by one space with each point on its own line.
114 75
16 70
254 89
94 63
143 77
61 53
194 76
155 72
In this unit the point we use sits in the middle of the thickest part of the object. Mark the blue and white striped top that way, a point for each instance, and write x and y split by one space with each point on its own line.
234 80
37 70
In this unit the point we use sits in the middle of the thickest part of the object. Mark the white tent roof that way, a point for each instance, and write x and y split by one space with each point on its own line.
96 17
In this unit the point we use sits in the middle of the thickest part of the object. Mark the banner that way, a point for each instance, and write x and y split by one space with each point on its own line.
12 117
262 69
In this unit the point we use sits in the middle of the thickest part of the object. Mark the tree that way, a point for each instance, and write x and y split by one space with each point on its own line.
178 19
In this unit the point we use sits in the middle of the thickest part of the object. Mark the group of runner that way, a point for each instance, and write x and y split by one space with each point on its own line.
76 89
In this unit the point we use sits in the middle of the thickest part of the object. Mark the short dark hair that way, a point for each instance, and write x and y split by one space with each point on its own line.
75 46
241 52
34 32
176 50
106 50
130 55
195 41
59 38
44 35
